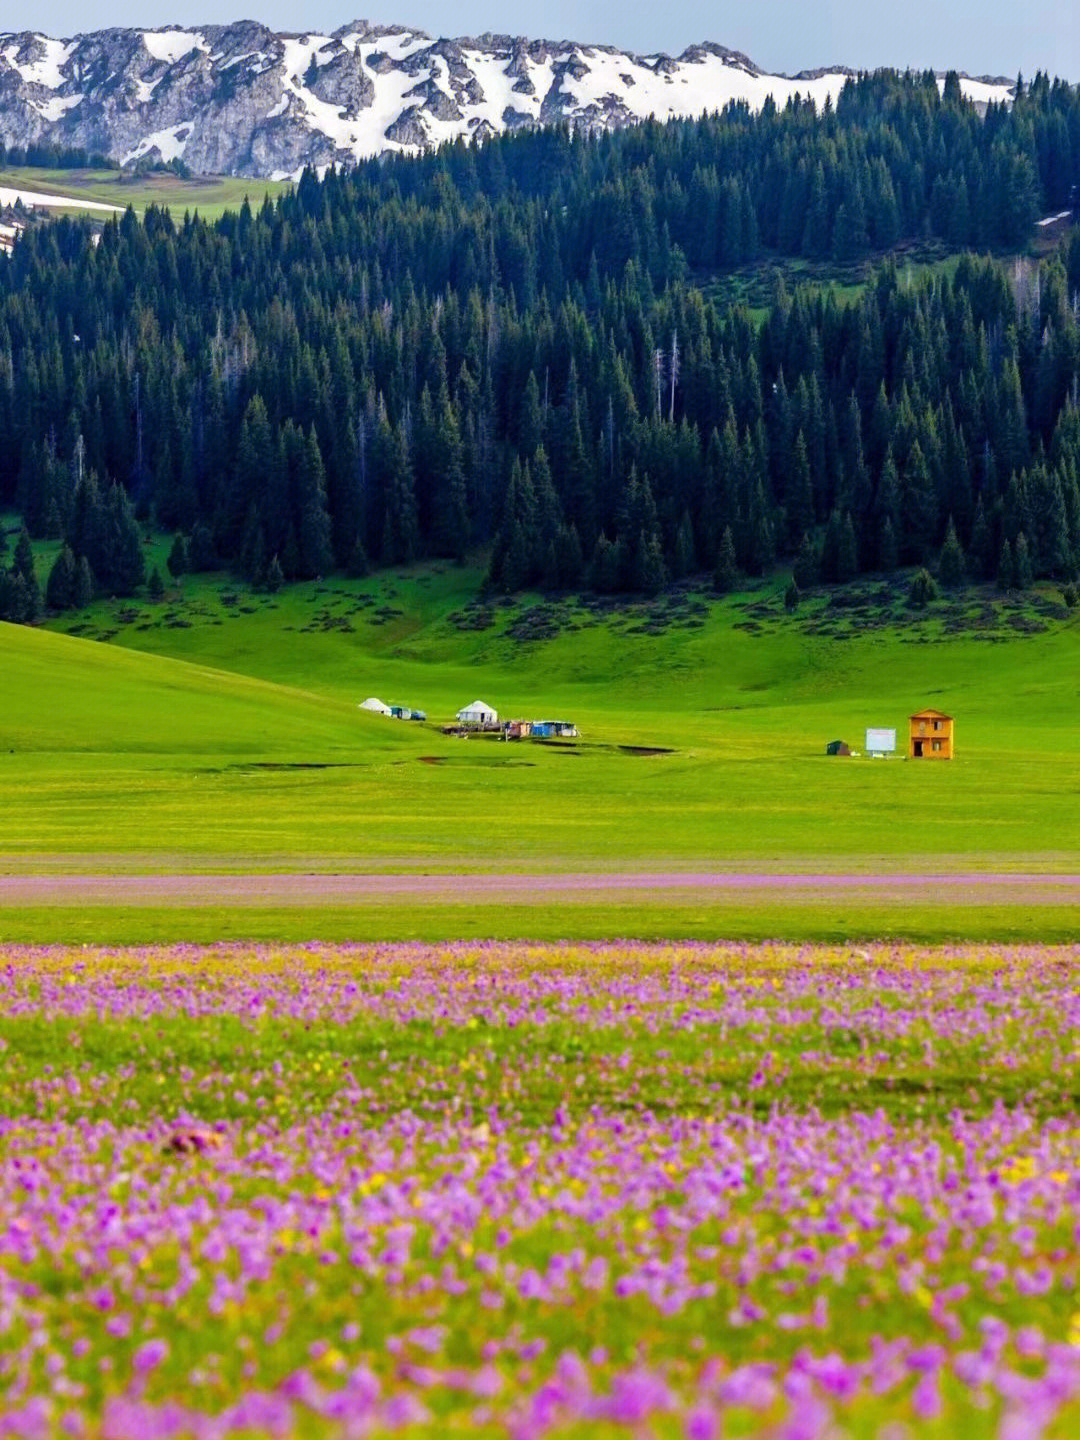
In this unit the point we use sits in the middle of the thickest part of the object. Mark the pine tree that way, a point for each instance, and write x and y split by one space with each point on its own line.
792 597
450 522
684 559
800 500
155 586
23 559
830 550
27 590
275 576
253 549
83 590
1006 575
570 559
255 462
124 569
358 564
981 544
201 550
726 573
847 558
14 605
951 564
806 569
918 508
653 573
313 534
1022 563
887 551
179 561
922 590
606 566
60 589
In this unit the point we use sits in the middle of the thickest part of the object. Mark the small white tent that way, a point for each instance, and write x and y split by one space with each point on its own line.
477 714
377 705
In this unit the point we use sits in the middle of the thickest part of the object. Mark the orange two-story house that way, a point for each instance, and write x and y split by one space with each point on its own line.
931 736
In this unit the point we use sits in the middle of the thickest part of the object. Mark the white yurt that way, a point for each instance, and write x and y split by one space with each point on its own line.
376 705
478 713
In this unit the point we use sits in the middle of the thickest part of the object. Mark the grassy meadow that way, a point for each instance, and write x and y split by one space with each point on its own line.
208 195
219 730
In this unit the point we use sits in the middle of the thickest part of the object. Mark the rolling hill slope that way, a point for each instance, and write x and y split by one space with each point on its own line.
703 725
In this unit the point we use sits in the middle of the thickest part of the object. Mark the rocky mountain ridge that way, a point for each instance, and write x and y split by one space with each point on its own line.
241 99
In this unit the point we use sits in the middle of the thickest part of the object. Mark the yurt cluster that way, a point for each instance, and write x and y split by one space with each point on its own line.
479 718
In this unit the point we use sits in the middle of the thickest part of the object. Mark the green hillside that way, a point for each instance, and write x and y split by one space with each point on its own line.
207 195
239 746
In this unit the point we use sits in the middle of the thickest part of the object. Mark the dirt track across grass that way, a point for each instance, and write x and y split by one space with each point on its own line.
674 887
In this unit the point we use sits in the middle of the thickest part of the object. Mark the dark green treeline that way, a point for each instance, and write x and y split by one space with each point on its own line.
507 344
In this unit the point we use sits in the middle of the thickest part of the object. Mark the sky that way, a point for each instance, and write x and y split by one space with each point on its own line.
994 37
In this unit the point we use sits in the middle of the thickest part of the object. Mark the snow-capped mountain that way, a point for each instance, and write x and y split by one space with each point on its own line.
240 99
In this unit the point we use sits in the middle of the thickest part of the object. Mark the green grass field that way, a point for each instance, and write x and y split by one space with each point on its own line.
209 195
219 730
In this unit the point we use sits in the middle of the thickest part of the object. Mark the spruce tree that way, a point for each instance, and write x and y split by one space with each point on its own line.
14 602
126 567
253 549
726 573
60 589
450 523
653 573
179 561
23 559
1022 563
830 550
83 590
358 565
683 561
922 589
800 500
847 558
313 532
951 565
155 586
570 560
275 576
28 600
887 552
806 569
201 550
981 545
1006 573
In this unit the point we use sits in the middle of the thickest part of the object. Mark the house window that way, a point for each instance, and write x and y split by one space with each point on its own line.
936 745
937 724
922 727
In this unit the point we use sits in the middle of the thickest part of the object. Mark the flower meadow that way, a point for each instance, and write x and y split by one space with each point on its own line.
690 1190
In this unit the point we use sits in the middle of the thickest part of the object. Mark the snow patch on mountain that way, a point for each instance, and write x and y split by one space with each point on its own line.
172 46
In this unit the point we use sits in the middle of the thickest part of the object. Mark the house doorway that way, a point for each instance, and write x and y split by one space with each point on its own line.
918 749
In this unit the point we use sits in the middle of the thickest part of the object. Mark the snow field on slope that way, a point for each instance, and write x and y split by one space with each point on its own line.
34 199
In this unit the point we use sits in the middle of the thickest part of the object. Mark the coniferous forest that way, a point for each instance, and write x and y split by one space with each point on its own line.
516 346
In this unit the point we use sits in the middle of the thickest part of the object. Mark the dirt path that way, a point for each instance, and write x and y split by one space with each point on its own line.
676 887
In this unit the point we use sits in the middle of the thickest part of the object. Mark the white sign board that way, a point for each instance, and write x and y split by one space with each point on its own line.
880 741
